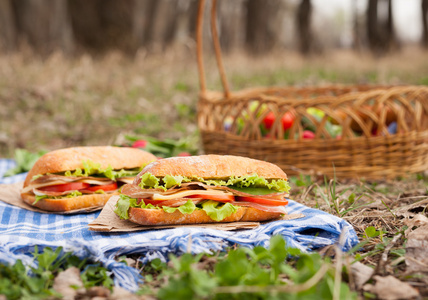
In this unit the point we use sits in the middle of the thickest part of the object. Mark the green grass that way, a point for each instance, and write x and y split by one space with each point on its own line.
19 282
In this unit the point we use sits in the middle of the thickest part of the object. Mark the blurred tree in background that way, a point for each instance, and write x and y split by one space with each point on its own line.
380 31
425 23
303 26
96 26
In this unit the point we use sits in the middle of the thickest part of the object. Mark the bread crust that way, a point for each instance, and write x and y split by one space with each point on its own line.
150 217
71 158
212 167
68 204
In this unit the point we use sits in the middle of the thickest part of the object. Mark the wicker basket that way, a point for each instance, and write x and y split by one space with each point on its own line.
359 131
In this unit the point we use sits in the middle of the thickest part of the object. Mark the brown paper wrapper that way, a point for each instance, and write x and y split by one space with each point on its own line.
108 221
11 194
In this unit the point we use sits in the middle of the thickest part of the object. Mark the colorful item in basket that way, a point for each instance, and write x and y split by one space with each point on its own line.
204 189
81 177
287 120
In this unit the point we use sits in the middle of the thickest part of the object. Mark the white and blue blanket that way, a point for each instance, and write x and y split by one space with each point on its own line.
21 230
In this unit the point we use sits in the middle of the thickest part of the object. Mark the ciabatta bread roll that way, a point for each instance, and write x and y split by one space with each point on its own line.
204 189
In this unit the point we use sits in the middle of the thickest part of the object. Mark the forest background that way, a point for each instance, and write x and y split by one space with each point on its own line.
74 26
61 58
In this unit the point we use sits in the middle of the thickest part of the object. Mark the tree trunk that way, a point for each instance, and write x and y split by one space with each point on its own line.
44 24
356 26
155 22
380 32
231 14
182 32
259 36
304 34
163 24
372 28
390 38
425 23
101 25
8 32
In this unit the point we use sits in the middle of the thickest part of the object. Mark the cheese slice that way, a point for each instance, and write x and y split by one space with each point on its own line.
129 180
184 194
96 182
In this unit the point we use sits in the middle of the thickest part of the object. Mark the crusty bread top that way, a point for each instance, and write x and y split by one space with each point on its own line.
71 158
213 167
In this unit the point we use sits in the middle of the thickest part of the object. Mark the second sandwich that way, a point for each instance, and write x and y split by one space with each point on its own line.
81 177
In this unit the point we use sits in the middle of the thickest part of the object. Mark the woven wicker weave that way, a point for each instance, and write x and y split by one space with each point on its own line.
231 122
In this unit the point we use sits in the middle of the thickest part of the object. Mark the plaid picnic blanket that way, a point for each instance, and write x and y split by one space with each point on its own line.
21 230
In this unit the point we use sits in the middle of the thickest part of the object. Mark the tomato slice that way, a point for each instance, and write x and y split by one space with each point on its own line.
106 187
265 201
72 186
219 198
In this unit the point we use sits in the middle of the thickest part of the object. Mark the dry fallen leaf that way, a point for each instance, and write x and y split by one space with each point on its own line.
66 279
417 244
361 273
418 220
409 210
417 250
120 293
390 288
131 262
98 291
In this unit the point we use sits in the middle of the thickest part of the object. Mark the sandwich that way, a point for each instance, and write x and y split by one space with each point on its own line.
204 189
81 177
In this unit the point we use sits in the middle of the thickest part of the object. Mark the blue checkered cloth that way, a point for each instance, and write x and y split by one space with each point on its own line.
21 230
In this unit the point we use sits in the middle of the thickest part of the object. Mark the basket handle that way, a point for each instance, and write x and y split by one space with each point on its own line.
217 49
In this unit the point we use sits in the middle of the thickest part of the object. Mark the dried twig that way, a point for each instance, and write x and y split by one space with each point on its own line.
380 268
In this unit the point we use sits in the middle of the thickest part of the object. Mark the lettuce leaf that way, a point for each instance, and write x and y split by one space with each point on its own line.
215 210
91 168
257 191
218 211
113 175
171 181
70 195
123 204
187 208
149 181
